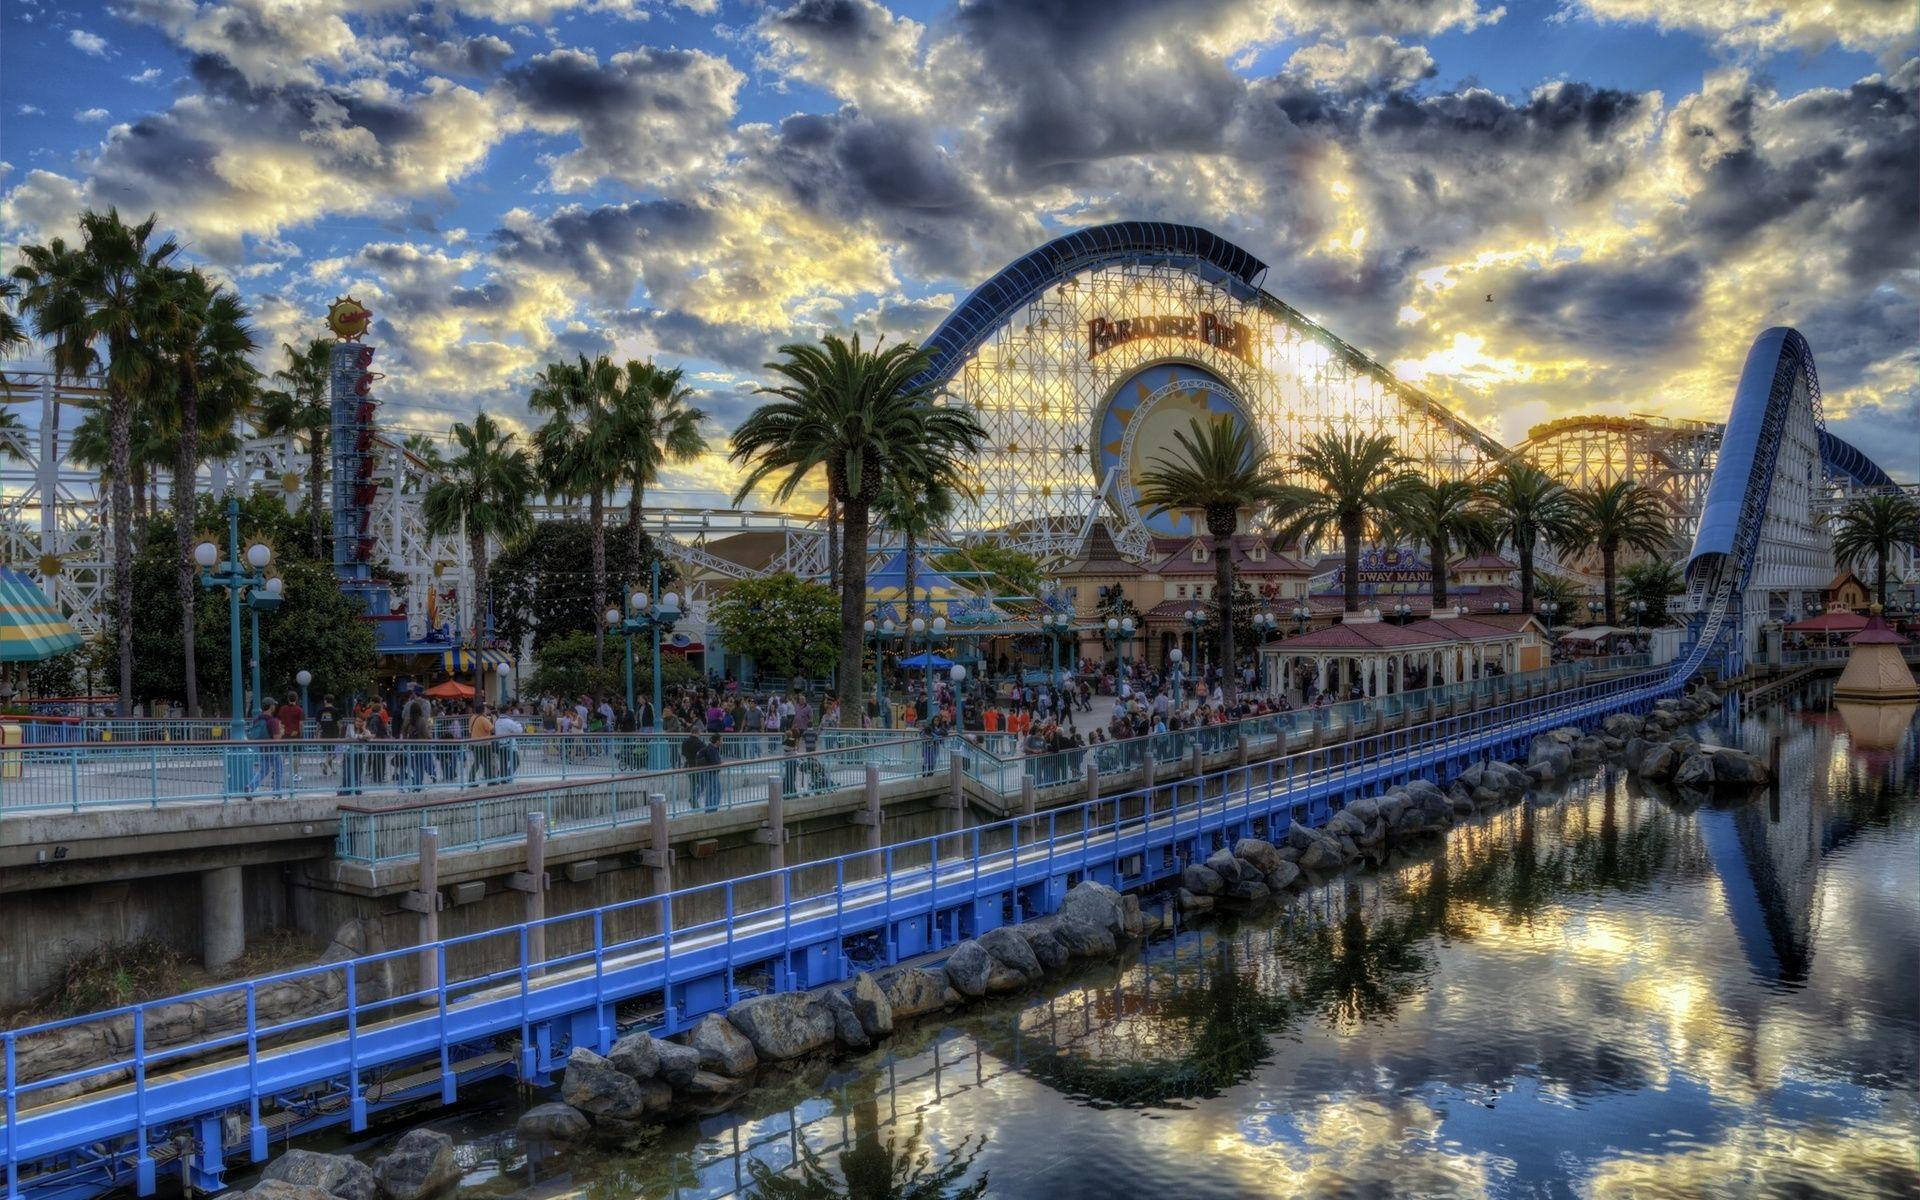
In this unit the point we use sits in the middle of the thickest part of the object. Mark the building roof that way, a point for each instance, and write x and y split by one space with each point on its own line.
1877 633
1356 635
1839 581
1831 622
1180 560
31 628
1100 556
1467 629
1484 562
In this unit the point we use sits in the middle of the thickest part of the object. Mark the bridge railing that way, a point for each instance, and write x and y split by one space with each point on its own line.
391 833
631 948
82 775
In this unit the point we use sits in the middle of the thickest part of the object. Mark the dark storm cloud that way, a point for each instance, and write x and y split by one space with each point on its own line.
1608 308
476 56
293 107
680 333
603 246
640 115
845 23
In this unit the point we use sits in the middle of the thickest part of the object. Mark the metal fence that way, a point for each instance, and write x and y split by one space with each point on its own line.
375 835
82 775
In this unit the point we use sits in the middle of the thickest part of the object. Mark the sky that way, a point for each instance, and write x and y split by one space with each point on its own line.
1641 185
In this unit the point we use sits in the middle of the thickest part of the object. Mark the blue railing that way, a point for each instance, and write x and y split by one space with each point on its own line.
686 948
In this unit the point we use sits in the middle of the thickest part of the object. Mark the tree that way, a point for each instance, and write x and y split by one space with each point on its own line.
786 625
1867 529
1566 595
316 628
1527 508
860 415
425 448
1444 515
653 424
1615 516
915 509
578 455
540 590
1219 471
1652 582
304 410
86 300
1008 572
1359 480
482 494
13 334
564 668
201 346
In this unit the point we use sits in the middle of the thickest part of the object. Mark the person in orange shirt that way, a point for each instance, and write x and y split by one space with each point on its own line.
993 720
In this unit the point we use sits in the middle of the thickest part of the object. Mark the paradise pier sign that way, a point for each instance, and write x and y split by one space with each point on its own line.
1229 336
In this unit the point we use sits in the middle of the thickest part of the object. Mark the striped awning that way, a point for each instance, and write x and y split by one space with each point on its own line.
31 628
460 662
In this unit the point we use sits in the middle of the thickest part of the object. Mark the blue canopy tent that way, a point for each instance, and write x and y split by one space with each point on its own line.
920 662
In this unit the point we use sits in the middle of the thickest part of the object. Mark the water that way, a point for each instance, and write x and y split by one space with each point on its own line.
1601 995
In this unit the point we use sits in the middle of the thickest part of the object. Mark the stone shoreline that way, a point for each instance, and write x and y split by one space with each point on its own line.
645 1080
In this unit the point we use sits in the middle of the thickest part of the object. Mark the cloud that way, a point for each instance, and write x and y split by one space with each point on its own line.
150 75
480 55
1362 64
91 115
1767 27
88 43
645 117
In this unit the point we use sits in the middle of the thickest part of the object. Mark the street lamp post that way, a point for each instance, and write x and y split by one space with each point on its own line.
304 678
1056 628
653 614
1404 611
264 598
937 629
1547 609
1195 618
240 577
1118 633
1173 656
1265 624
959 677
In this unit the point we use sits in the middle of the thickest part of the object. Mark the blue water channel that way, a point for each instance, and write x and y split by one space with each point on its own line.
1606 992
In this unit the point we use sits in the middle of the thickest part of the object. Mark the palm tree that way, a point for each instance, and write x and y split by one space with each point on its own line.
12 334
85 300
578 455
202 343
1652 582
1868 528
1566 595
305 410
1615 516
1219 471
482 492
915 509
654 424
861 415
1528 508
1360 480
1445 515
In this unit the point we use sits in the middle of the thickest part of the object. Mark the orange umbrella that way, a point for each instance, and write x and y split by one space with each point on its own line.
451 690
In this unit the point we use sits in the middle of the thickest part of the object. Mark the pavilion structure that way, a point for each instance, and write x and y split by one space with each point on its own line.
1367 656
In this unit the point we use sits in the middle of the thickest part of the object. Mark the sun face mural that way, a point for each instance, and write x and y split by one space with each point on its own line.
1137 425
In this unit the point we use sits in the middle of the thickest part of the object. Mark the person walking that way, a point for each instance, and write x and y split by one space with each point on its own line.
710 758
327 725
265 729
416 729
480 732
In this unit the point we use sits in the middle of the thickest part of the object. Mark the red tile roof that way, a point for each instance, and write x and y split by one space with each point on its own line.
1877 633
1179 561
1485 562
1833 622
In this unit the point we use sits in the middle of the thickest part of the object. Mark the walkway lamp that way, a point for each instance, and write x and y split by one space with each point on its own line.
1503 607
1118 632
653 614
264 598
1174 656
303 679
1594 609
242 577
881 633
1404 611
1265 625
932 632
1195 618
1057 628
1547 609
959 677
1302 617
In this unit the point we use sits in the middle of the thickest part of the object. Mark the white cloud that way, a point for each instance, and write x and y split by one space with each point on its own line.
1770 26
88 43
150 75
91 114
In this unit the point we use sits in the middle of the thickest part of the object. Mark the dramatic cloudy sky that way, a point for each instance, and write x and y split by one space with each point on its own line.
1643 185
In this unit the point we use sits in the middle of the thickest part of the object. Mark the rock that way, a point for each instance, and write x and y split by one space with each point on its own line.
598 1088
968 966
335 1174
1135 920
1283 876
785 1025
1300 837
1096 904
658 1094
846 1023
1366 809
1190 903
709 1090
1659 762
1202 881
1083 940
1225 865
1391 806
722 1048
637 1055
1589 749
421 1163
551 1122
1738 768
1045 943
1635 749
1485 797
871 1006
1622 725
1349 849
1475 775
1259 855
1249 889
913 991
1462 803
1009 949
1002 979
677 1062
277 1189
1322 857
1695 772
1346 824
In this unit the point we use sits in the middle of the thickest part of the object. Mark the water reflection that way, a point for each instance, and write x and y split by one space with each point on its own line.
1607 994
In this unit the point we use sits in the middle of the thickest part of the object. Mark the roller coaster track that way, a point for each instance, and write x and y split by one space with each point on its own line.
193 1106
